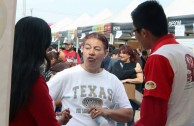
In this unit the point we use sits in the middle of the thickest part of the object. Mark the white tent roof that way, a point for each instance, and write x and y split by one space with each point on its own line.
179 7
124 16
58 25
78 22
83 20
104 14
174 8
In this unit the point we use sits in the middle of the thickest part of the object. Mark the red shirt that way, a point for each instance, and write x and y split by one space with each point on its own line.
73 56
158 86
39 110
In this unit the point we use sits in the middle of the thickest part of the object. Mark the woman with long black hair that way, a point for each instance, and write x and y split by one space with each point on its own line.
30 103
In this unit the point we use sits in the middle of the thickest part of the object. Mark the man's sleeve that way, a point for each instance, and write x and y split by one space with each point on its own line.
153 112
159 77
158 86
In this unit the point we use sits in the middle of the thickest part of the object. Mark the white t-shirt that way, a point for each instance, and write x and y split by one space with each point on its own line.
80 89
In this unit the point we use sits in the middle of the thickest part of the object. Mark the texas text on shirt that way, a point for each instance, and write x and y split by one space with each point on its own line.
78 93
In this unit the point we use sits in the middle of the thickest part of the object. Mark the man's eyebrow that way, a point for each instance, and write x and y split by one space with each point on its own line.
87 44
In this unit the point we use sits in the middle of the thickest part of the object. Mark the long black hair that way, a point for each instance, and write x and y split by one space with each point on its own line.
32 38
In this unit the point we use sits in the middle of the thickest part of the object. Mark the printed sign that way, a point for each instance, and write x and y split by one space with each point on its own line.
179 30
193 27
118 34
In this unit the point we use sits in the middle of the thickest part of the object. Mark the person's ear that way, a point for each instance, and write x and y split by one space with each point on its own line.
106 52
145 33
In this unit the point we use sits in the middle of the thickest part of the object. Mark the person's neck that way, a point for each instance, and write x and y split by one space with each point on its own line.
128 61
91 70
152 41
71 50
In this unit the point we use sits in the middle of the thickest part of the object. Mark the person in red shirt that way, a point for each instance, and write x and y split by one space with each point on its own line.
31 104
168 95
69 54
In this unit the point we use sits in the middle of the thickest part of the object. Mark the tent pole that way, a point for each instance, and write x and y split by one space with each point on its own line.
111 39
77 44
58 44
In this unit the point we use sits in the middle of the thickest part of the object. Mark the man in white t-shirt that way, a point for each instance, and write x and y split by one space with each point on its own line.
89 91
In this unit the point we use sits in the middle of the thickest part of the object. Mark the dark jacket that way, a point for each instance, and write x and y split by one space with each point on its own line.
56 67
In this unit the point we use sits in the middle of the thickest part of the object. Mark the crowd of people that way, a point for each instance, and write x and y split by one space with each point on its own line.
51 87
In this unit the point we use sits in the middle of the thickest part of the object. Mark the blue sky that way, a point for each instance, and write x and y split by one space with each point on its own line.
54 10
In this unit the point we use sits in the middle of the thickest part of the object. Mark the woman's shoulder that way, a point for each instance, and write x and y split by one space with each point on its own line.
40 85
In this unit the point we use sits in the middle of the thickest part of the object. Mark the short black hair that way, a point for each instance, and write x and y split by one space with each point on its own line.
150 15
115 51
144 53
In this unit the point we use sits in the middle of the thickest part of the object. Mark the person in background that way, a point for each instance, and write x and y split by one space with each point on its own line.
69 54
144 58
57 65
169 70
128 62
121 45
30 103
90 91
114 58
107 59
138 57
114 54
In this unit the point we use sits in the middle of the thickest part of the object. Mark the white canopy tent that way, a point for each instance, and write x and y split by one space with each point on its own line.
60 24
104 14
123 16
78 22
179 7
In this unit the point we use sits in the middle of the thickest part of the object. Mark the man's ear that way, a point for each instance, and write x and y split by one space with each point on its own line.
106 52
145 33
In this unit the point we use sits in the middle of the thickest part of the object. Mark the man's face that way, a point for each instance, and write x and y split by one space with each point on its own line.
68 46
94 52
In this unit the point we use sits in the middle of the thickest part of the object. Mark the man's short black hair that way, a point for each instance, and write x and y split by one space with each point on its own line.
150 15
115 51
